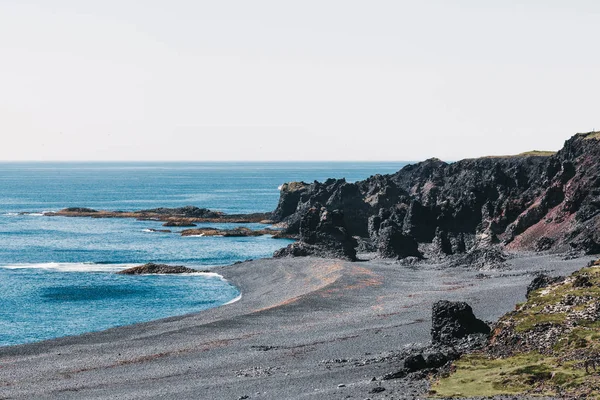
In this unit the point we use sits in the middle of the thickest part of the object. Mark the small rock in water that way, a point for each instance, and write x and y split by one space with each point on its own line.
152 268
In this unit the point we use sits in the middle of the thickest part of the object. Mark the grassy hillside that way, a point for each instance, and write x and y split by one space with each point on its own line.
542 348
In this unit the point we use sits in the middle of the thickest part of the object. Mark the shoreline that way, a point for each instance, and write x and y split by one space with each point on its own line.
303 327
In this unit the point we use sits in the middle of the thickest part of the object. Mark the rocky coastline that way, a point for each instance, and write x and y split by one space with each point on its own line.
304 327
172 217
492 215
536 201
469 212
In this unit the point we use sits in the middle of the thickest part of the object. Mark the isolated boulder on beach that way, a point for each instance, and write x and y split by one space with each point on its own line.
452 321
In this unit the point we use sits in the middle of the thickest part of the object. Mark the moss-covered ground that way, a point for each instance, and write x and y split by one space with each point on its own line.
559 370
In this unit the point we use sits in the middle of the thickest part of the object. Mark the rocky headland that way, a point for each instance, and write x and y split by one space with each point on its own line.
535 201
313 323
469 212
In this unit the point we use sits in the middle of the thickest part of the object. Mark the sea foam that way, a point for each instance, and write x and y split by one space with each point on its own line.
71 267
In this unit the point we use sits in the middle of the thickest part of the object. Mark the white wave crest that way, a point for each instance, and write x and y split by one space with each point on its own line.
279 187
234 300
71 267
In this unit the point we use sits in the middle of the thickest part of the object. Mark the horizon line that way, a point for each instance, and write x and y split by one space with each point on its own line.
201 161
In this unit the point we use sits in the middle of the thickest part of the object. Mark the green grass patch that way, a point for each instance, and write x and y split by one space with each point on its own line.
529 321
537 153
477 375
591 135
560 373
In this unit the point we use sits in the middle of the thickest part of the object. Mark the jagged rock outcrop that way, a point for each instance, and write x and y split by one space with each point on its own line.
532 201
453 321
323 234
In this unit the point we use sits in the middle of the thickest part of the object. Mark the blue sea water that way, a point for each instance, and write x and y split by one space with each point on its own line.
57 274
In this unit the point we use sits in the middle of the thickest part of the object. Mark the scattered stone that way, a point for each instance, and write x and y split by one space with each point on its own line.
415 363
436 360
264 348
582 281
255 372
378 389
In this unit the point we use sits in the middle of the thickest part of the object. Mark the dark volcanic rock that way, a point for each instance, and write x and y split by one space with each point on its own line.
290 195
415 363
80 210
186 212
181 224
323 234
524 202
439 359
485 258
541 281
393 243
452 321
152 268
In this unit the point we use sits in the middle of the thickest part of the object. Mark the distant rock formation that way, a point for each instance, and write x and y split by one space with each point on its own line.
179 223
240 231
182 216
533 201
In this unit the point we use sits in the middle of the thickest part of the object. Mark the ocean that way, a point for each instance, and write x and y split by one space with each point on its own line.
57 275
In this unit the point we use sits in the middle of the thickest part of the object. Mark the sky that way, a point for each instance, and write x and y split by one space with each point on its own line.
194 80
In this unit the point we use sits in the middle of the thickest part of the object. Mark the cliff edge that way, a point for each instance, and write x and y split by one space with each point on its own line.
535 201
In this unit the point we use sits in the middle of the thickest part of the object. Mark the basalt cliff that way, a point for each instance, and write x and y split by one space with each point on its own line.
532 201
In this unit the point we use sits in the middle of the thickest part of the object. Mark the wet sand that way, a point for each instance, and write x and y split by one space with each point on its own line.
304 329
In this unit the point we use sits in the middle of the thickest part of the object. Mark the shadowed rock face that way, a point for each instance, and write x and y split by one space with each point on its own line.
452 321
322 233
526 202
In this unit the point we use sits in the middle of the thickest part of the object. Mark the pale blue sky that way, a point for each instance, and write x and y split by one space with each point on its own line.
294 80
